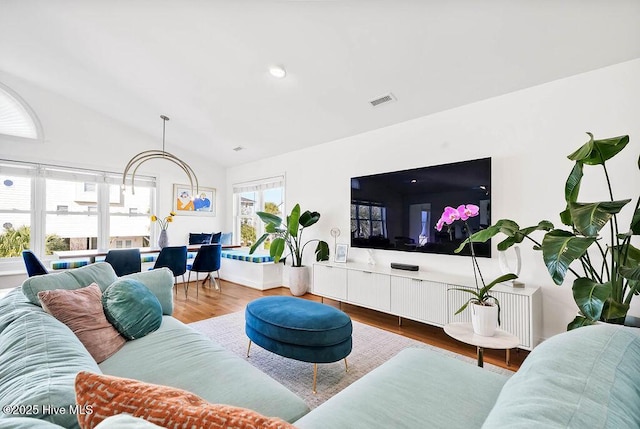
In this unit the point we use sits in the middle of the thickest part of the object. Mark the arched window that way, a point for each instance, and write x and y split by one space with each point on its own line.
17 119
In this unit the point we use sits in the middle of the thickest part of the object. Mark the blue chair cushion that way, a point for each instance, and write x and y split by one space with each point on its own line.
132 308
298 321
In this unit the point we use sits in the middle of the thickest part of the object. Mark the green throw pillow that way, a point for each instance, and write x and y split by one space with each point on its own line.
132 308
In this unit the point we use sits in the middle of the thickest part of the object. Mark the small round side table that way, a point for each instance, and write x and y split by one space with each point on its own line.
463 331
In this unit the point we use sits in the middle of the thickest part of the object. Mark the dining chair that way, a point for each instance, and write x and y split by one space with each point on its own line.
207 260
34 266
124 261
174 258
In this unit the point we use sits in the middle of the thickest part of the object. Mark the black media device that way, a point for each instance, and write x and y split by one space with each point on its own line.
399 210
407 267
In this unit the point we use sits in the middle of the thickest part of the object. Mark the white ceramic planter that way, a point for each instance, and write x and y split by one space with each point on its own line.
298 280
484 319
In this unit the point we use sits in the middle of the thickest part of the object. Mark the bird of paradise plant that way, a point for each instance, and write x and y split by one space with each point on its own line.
480 295
607 276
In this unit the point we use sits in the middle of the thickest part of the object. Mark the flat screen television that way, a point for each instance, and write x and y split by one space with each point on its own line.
399 210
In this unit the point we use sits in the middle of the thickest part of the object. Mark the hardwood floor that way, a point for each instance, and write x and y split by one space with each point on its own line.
211 303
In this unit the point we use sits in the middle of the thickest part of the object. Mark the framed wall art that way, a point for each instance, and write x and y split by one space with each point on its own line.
203 204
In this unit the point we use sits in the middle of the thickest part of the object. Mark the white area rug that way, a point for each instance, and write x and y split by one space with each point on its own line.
371 347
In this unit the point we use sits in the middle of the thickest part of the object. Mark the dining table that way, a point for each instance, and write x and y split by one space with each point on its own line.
92 254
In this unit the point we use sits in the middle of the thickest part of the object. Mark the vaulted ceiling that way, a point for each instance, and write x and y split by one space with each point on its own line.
204 63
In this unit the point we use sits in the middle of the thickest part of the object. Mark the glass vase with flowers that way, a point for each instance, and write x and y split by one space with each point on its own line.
163 239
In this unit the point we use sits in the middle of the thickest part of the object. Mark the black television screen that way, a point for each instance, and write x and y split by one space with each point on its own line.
399 210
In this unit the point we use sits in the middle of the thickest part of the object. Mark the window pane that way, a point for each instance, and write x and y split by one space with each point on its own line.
15 193
129 217
376 213
273 201
14 118
248 203
247 232
15 234
69 223
15 216
363 212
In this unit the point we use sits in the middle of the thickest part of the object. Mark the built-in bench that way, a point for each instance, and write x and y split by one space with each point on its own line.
256 271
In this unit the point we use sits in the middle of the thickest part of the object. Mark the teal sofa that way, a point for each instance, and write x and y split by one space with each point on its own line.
40 357
586 378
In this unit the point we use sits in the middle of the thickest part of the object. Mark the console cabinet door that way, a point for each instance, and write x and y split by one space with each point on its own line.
369 289
420 300
515 316
330 282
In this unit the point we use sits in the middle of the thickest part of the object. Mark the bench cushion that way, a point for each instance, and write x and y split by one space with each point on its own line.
243 256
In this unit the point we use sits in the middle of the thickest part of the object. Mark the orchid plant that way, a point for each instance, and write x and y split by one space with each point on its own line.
164 223
480 295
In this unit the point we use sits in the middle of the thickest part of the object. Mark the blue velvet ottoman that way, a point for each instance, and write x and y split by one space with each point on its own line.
299 329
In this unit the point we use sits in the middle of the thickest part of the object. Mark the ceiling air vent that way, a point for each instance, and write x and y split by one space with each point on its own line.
382 100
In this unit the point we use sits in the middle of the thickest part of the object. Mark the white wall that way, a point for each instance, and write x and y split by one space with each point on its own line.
527 133
78 137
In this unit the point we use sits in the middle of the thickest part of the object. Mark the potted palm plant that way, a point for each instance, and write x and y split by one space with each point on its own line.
594 249
289 235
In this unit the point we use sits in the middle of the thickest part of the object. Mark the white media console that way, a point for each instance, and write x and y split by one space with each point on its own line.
426 296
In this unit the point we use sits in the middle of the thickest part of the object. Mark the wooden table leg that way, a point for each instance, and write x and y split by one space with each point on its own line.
508 357
480 357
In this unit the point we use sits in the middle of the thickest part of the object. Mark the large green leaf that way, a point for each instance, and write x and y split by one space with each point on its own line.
293 220
258 243
635 221
614 311
276 249
322 251
596 152
520 235
579 322
309 218
507 227
559 249
590 218
269 218
503 278
571 191
590 296
630 273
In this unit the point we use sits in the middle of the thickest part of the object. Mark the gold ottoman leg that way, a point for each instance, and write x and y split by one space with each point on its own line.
315 376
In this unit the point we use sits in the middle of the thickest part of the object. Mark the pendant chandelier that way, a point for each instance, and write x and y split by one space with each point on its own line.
139 159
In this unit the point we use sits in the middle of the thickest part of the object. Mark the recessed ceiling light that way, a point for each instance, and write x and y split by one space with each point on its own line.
277 71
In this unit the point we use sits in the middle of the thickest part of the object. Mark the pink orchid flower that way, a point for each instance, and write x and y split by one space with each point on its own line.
470 210
449 216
